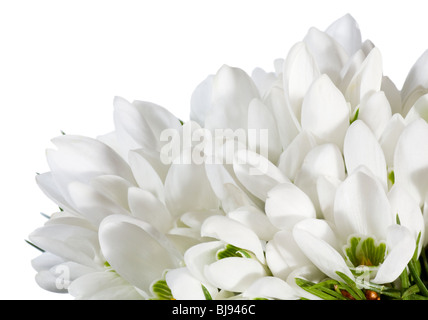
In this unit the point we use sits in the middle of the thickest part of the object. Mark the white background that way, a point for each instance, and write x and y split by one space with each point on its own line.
62 62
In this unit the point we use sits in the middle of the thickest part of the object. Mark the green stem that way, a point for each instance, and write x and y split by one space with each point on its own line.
405 283
415 275
424 262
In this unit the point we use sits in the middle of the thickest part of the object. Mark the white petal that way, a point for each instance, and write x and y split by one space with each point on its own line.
392 94
419 110
46 280
407 209
325 112
146 177
110 139
286 205
256 220
234 233
46 261
234 274
308 272
93 205
326 191
154 159
135 250
145 206
367 79
201 255
187 189
139 124
232 91
256 173
300 70
375 111
362 207
114 188
411 159
292 158
324 160
263 80
200 101
401 247
103 286
263 136
47 184
183 238
361 148
328 54
71 242
157 117
416 83
388 139
56 275
81 159
283 255
287 123
226 187
195 219
270 288
350 68
184 286
346 32
315 239
70 218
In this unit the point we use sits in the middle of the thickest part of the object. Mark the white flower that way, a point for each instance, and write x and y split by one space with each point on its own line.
110 204
363 233
233 261
321 167
136 250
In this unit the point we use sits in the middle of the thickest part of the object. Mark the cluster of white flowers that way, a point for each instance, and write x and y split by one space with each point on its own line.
306 182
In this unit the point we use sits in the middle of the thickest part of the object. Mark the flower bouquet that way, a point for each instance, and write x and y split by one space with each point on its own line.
306 182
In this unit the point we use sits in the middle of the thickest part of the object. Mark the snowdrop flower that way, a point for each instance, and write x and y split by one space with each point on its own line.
364 234
341 74
110 203
323 170
307 116
231 261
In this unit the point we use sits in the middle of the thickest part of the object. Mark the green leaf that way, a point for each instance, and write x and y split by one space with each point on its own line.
410 291
404 277
353 290
355 115
324 290
415 297
415 269
415 275
397 219
44 215
391 177
424 262
206 293
415 254
33 245
315 292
